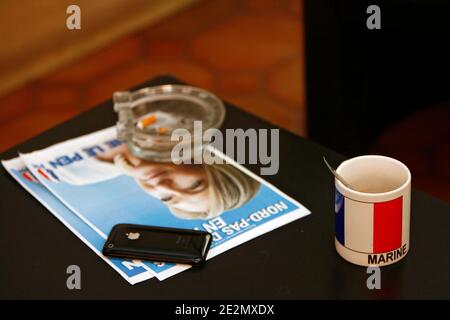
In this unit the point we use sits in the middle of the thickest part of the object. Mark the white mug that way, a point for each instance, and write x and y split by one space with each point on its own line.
372 221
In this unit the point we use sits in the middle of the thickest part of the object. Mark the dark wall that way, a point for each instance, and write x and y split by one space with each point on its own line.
360 81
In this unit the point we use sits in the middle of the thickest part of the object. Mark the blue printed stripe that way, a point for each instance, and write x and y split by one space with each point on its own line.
339 204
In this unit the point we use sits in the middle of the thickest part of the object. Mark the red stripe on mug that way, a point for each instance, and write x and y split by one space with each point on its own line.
387 225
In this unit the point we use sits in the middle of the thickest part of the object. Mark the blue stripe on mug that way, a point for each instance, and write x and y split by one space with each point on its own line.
339 204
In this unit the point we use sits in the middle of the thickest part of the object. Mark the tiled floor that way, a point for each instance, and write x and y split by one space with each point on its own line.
248 52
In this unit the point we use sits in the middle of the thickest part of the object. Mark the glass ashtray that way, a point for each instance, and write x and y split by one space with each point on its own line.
148 117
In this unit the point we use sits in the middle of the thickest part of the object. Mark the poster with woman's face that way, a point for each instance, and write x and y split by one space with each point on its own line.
104 184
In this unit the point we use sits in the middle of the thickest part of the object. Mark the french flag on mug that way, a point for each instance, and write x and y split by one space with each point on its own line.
370 228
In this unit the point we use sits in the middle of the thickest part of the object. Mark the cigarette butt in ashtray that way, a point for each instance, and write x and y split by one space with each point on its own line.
145 122
163 130
152 119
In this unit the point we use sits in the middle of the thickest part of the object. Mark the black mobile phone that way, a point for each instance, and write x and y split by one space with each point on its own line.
158 244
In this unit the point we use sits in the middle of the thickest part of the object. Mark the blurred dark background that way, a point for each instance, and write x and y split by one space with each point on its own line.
382 91
309 66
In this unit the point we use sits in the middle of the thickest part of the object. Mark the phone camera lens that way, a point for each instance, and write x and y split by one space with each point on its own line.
110 245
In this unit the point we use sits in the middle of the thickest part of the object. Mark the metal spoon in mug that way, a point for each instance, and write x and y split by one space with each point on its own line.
337 175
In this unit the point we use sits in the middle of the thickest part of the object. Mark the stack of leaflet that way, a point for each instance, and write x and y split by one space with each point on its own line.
90 184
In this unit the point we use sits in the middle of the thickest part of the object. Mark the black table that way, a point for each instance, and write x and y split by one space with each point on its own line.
295 261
